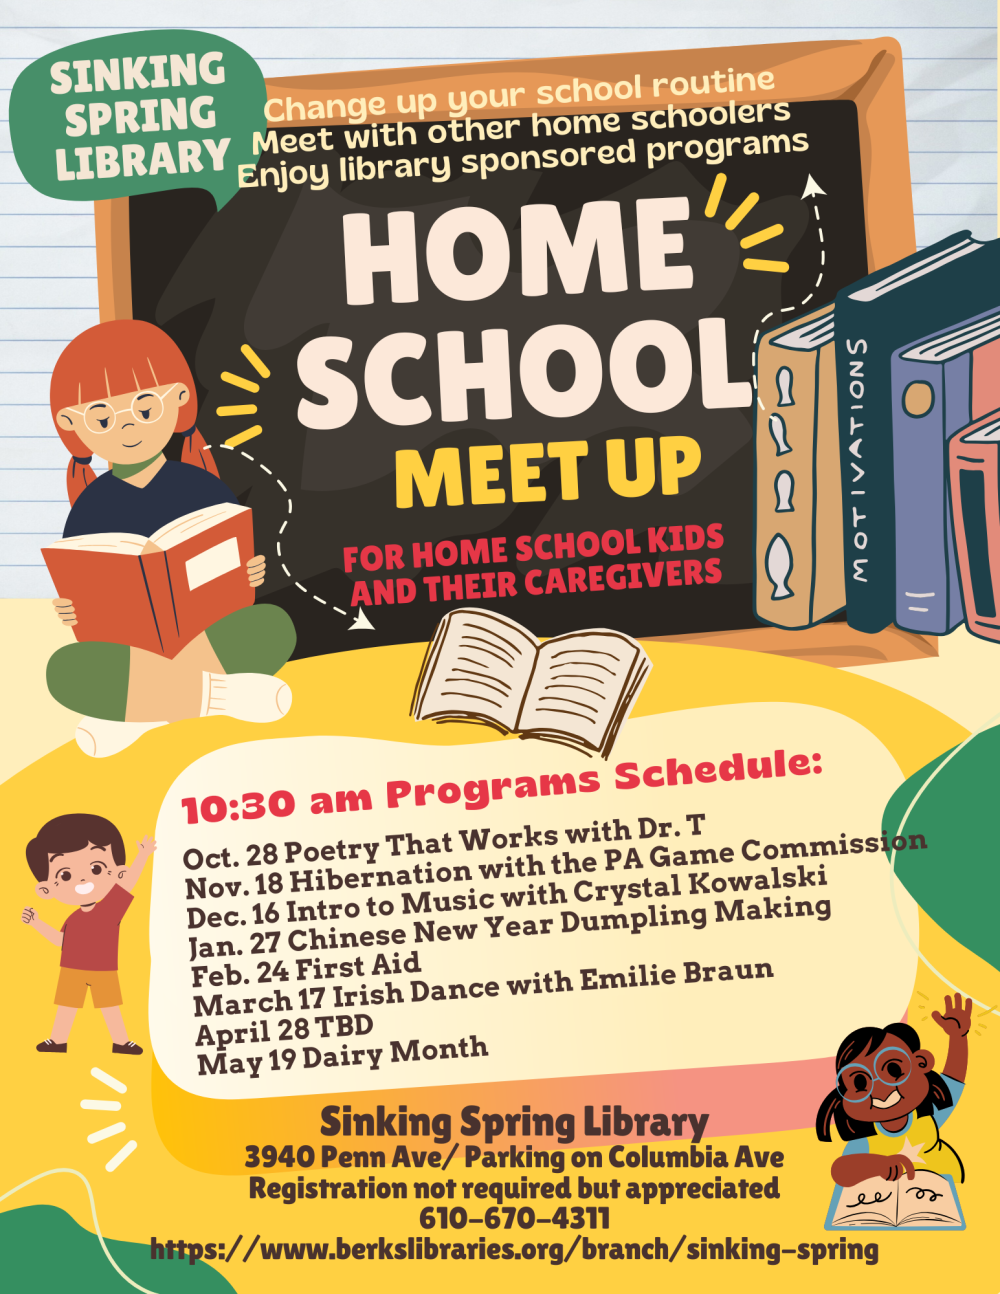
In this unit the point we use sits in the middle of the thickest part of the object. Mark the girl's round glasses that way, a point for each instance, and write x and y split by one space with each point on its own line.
100 415
891 1066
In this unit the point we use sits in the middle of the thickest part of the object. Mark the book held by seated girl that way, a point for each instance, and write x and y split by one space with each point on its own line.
157 593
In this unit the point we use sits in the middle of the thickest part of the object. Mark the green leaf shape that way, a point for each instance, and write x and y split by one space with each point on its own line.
46 1252
956 879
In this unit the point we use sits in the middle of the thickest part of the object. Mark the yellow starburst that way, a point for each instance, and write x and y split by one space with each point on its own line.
751 240
242 410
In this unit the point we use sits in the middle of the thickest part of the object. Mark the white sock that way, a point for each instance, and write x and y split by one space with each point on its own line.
102 737
255 698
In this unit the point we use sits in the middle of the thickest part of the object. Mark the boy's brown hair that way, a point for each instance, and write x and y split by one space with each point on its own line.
66 834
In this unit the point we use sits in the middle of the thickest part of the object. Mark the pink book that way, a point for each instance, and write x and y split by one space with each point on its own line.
974 462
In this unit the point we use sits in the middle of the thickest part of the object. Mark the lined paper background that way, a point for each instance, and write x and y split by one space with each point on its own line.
48 284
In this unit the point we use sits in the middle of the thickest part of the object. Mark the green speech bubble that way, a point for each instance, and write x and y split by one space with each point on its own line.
137 112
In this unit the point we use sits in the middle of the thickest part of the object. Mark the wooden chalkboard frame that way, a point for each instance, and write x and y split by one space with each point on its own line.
868 72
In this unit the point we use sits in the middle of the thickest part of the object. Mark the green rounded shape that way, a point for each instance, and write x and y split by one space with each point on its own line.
46 1252
955 879
138 112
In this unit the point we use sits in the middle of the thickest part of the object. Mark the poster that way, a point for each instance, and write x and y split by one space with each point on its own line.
502 732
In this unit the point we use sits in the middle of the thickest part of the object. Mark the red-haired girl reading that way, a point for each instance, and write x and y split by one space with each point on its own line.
120 391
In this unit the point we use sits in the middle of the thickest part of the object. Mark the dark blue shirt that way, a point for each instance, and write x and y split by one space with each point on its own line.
110 505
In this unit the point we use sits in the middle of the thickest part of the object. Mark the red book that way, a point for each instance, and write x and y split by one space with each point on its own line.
974 460
157 593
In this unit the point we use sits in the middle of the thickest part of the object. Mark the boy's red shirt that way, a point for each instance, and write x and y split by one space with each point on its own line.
90 939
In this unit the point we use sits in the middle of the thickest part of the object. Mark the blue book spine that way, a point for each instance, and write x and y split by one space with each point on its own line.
930 401
864 401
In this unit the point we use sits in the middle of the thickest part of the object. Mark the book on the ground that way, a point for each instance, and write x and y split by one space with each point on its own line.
924 1202
975 501
939 288
940 384
576 689
799 561
157 593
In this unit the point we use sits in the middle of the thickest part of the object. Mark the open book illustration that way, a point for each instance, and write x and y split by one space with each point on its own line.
927 1201
157 593
577 689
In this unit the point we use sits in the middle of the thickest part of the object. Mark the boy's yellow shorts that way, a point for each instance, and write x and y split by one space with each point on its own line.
71 989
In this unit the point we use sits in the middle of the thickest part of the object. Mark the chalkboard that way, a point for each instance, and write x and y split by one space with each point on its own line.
393 511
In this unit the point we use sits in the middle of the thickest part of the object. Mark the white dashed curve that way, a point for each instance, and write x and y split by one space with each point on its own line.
278 481
788 309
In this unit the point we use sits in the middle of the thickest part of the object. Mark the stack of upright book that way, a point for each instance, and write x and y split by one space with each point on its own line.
903 370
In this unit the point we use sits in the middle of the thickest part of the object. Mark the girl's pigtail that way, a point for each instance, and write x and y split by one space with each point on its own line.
78 476
196 451
827 1114
939 1095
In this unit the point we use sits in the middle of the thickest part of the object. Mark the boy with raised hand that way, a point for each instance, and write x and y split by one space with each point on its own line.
79 858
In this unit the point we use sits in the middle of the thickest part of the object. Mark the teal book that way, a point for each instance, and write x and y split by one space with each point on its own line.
937 288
